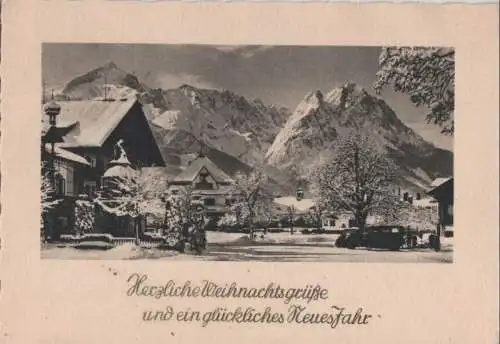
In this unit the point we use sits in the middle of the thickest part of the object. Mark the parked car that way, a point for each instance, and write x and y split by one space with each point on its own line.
384 237
349 238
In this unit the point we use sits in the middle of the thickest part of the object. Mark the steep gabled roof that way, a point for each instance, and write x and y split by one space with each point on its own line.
90 122
193 170
66 155
291 201
425 202
441 185
439 181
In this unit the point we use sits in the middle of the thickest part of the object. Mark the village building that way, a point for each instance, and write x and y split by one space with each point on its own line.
209 185
442 191
78 142
298 207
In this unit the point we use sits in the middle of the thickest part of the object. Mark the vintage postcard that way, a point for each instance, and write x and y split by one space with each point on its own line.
258 153
249 173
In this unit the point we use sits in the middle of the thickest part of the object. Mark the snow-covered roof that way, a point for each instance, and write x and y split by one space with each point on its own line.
168 172
193 170
214 192
216 208
288 201
90 121
66 155
120 171
425 202
439 181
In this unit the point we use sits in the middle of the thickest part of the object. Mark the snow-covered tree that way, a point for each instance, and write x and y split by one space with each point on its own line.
84 216
291 211
427 75
228 220
266 212
49 200
179 202
48 194
251 192
184 219
357 179
136 194
419 218
316 213
237 216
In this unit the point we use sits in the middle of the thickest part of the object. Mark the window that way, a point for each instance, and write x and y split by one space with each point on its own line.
91 159
450 209
60 184
209 201
90 188
203 183
328 222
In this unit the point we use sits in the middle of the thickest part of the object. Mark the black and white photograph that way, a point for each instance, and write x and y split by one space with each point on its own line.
247 153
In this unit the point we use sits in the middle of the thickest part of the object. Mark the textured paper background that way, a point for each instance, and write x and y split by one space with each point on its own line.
66 302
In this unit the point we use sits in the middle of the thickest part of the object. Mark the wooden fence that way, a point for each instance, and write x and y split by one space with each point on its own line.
73 240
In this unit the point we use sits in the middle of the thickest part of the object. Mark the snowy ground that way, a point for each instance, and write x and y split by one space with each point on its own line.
272 247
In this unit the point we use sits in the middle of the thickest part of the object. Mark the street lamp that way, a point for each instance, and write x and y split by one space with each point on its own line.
52 135
52 110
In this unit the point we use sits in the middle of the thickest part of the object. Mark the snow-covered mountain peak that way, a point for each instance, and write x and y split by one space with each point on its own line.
245 130
93 84
317 122
311 103
314 98
346 95
354 89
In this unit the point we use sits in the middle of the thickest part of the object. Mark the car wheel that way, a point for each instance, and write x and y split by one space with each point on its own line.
351 246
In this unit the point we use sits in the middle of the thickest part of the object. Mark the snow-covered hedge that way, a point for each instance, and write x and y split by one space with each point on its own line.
97 237
94 245
153 235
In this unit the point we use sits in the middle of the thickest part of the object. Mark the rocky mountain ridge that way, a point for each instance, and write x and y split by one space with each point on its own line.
319 119
242 133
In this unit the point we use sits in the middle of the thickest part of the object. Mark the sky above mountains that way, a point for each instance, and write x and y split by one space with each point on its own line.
274 74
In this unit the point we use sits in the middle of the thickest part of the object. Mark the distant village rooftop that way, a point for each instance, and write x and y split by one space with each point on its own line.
66 155
193 170
291 201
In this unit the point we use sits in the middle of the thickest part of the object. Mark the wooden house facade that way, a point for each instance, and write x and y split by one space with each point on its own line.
87 133
442 191
209 184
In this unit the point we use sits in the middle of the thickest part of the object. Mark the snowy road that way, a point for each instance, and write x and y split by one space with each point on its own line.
309 253
279 247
